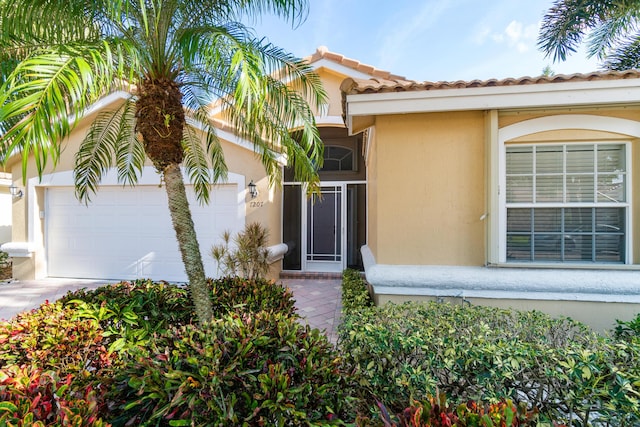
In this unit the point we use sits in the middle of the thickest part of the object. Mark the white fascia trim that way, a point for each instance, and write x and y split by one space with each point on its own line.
339 68
329 121
496 97
149 176
570 121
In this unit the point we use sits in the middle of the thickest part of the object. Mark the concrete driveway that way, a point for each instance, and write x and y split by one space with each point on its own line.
22 295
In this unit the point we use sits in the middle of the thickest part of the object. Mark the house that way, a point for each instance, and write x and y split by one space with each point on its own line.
515 192
512 193
126 233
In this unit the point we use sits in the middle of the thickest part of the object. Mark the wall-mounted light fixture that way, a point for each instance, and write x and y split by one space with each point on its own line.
15 192
253 191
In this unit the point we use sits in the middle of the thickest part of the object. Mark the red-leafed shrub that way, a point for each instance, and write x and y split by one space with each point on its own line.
30 396
435 412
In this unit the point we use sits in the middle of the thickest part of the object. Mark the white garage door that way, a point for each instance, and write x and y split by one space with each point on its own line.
126 233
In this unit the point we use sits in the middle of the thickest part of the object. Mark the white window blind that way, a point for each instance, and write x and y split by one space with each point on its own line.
566 202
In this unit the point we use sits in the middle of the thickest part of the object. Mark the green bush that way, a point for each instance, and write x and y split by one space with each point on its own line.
237 295
404 352
355 293
263 369
627 330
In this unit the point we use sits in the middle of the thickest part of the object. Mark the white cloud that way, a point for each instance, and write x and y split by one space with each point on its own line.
521 37
515 35
481 35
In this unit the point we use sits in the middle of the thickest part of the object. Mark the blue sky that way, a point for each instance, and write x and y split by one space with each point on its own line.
428 40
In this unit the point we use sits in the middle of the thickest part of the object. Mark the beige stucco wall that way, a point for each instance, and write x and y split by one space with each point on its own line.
429 176
331 82
239 160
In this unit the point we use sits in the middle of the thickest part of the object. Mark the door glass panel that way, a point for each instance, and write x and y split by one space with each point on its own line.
292 226
324 225
356 225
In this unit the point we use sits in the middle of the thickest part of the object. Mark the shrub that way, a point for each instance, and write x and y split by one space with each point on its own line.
53 338
435 412
91 335
404 352
5 266
355 293
627 330
237 295
250 257
32 397
250 370
4 259
130 313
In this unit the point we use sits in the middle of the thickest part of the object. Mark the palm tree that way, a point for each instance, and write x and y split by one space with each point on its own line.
610 27
171 58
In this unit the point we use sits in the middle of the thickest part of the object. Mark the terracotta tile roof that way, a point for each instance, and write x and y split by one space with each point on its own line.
323 53
351 86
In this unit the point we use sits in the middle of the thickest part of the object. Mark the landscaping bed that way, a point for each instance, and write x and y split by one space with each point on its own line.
132 353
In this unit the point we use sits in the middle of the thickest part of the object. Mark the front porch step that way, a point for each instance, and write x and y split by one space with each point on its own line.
309 275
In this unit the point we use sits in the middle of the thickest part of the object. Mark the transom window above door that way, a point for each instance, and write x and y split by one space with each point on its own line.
567 202
338 158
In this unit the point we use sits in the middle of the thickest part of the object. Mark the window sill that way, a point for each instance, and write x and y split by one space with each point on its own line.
567 266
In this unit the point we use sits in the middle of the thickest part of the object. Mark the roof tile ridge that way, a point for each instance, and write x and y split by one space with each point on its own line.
322 52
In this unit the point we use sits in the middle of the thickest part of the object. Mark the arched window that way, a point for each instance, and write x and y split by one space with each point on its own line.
338 158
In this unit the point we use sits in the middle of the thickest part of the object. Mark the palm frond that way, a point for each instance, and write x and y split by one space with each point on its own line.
563 27
625 55
265 110
604 23
110 140
130 155
44 98
204 166
33 24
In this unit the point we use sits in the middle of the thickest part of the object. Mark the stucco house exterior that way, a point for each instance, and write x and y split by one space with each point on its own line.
516 192
126 233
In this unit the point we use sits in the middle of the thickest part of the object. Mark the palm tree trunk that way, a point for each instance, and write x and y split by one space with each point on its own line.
188 242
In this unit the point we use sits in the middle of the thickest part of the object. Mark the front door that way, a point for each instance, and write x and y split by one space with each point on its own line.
325 234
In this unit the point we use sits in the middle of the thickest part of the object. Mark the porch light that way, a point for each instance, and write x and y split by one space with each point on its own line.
15 192
253 191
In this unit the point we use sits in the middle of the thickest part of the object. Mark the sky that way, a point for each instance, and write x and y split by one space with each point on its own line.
428 40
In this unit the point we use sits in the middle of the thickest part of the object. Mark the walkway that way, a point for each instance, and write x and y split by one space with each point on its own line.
317 300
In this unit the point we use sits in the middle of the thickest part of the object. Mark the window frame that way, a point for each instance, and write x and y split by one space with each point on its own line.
627 205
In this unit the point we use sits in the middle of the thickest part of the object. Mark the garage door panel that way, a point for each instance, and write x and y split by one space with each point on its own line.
126 233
